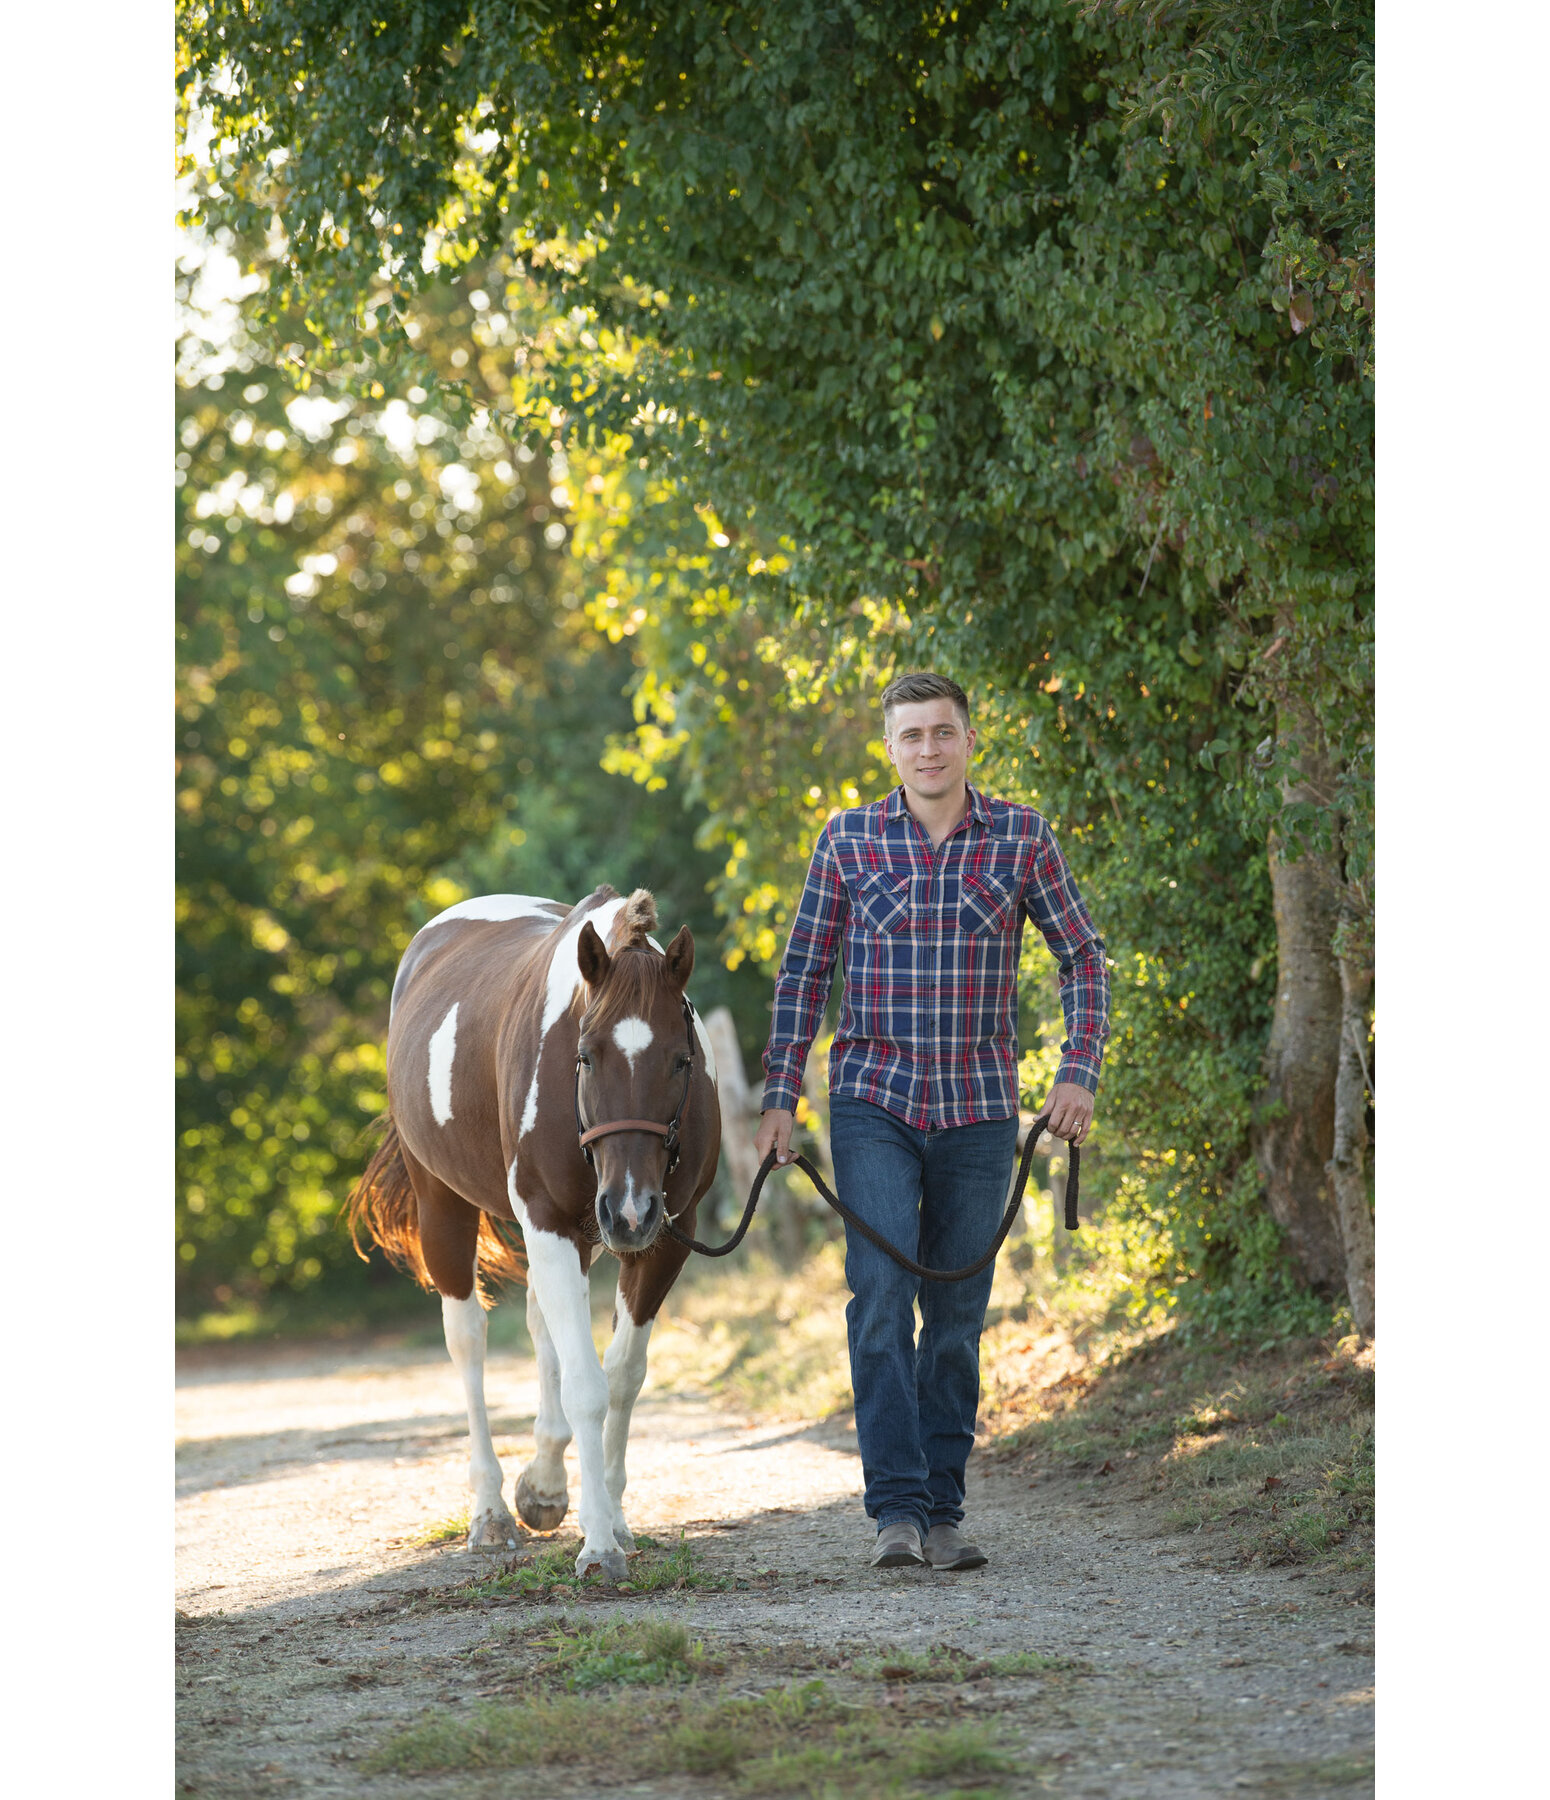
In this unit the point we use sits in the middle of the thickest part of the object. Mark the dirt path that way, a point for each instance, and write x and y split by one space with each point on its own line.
307 1636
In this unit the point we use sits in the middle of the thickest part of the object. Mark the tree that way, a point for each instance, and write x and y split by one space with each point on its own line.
388 697
978 319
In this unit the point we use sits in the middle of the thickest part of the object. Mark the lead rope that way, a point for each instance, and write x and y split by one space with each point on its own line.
1073 1188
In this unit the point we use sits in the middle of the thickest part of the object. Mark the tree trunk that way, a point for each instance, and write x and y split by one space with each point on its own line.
1294 1128
739 1107
1348 1165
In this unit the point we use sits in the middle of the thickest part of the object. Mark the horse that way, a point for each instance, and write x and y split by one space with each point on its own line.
547 1070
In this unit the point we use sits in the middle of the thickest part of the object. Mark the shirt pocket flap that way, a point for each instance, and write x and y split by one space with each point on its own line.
883 900
985 903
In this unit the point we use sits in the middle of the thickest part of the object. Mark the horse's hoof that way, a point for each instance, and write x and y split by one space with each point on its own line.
623 1536
544 1512
610 1564
492 1530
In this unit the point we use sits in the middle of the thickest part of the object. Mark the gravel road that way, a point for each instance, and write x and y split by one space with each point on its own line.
303 1473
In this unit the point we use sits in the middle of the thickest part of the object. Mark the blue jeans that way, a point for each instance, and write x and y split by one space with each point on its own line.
938 1196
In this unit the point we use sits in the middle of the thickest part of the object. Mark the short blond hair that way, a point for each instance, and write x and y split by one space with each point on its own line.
924 684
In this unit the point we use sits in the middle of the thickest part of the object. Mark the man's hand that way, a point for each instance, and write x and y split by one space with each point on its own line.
1070 1110
774 1133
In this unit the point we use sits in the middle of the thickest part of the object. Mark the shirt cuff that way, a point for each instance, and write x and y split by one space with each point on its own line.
1082 1071
780 1091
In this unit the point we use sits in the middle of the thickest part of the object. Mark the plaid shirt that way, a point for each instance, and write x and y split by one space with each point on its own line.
928 1026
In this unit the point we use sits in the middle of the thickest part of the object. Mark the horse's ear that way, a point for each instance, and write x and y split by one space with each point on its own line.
591 958
680 958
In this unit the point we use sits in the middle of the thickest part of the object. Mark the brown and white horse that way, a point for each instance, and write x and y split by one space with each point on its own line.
546 1067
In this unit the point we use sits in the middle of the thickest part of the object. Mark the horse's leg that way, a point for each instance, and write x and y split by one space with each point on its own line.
541 1487
557 1275
643 1285
449 1242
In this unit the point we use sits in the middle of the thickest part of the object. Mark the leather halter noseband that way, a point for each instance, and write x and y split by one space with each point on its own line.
587 1137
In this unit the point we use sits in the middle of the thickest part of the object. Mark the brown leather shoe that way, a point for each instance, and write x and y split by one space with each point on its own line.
898 1547
947 1548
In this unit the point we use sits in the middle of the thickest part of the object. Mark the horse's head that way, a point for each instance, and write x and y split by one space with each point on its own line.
635 1059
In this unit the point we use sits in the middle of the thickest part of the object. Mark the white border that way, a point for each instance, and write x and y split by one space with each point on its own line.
86 899
1463 995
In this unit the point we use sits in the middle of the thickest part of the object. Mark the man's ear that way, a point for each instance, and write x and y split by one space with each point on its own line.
680 958
591 958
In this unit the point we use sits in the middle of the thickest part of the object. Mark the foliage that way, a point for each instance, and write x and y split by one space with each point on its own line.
1025 341
388 698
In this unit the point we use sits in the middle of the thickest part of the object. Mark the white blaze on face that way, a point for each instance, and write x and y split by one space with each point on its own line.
628 1209
442 1047
632 1036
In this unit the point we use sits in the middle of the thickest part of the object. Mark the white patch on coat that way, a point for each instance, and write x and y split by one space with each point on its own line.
632 1036
438 1075
564 971
497 908
704 1038
530 1108
463 1322
624 1364
558 1282
655 945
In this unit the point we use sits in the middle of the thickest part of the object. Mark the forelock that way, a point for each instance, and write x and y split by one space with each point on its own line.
631 989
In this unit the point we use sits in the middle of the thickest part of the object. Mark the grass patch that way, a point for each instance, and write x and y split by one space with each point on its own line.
450 1530
1268 1446
624 1652
654 1568
798 1740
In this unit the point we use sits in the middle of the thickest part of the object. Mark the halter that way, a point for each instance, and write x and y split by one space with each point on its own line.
669 1131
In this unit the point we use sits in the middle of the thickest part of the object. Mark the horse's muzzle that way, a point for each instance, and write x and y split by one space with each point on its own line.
629 1225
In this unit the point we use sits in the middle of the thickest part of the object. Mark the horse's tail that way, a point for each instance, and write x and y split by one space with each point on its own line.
383 1210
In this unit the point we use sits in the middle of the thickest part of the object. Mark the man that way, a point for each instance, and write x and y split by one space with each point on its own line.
927 891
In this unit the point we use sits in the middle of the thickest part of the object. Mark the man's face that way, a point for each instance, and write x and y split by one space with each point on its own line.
928 745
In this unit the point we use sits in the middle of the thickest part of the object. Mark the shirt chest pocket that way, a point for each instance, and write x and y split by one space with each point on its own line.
985 904
883 901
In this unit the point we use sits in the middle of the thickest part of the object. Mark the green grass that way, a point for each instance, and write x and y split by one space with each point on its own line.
450 1530
630 1652
653 1569
798 1740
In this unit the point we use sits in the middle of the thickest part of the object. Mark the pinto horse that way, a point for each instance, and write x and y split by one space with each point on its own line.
545 1068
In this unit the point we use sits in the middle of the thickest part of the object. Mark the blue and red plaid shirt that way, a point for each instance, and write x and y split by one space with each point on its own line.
928 1025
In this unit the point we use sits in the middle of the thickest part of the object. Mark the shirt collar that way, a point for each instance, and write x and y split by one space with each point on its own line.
894 807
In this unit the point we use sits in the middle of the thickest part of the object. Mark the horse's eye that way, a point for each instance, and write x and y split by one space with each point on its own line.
681 1062
584 1059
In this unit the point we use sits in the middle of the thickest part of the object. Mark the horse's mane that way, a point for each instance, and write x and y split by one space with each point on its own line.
638 970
